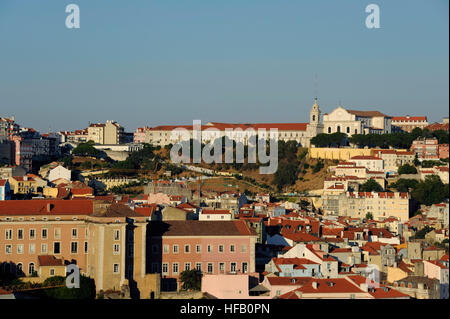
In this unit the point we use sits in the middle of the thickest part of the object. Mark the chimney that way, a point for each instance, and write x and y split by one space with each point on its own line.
315 284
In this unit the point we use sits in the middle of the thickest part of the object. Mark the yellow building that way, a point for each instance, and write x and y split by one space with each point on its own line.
22 184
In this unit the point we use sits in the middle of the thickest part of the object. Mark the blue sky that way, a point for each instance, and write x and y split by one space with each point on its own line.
165 61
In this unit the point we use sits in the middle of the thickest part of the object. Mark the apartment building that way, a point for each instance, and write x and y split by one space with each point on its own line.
212 247
409 123
426 148
372 163
381 205
393 159
106 241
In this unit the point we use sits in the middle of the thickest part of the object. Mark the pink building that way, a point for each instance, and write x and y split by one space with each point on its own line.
231 286
443 150
211 247
23 152
409 123
426 148
139 134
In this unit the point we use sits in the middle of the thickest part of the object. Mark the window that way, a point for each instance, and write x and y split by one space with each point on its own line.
166 249
86 247
154 267
57 233
117 234
187 266
220 248
74 247
210 268
8 249
32 248
165 268
329 130
8 234
20 249
198 248
44 233
209 249
52 271
56 247
198 266
348 129
245 267
232 248
233 267
175 268
74 233
44 248
20 234
30 269
116 268
175 249
19 269
116 249
243 248
187 249
221 267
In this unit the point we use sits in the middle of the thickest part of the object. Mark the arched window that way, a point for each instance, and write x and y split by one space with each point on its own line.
356 131
348 129
19 269
313 118
329 130
30 268
338 128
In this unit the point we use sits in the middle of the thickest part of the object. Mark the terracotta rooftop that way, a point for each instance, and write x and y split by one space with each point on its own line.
200 228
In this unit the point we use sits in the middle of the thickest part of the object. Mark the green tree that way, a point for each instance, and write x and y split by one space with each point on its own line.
86 290
430 191
369 216
191 279
405 185
407 169
86 149
371 185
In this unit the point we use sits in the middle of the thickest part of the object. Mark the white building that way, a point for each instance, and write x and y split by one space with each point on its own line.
356 122
372 163
215 214
299 132
59 172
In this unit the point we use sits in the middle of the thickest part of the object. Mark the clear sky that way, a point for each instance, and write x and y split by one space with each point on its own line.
143 62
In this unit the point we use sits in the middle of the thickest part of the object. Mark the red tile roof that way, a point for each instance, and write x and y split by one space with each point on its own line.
50 260
288 281
367 113
46 207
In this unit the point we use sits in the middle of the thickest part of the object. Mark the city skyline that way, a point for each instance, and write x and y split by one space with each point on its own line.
155 63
